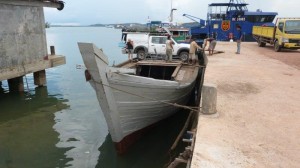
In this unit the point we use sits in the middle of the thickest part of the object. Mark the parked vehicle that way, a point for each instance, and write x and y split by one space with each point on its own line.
285 34
147 44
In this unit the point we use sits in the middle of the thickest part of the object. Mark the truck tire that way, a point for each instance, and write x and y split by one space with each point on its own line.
141 54
261 44
183 55
277 47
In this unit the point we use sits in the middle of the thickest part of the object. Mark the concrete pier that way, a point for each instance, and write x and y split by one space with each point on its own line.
258 110
38 65
23 46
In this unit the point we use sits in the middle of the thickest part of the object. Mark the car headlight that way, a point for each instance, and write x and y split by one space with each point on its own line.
285 40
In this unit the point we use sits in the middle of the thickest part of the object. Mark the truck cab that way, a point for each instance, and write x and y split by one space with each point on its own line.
147 44
287 33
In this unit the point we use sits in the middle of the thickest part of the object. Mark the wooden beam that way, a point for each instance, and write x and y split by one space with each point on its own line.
156 63
176 71
32 3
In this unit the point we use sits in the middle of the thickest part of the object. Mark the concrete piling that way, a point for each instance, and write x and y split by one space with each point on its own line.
40 78
16 84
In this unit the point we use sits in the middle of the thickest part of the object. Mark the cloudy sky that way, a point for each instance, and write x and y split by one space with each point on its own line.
85 12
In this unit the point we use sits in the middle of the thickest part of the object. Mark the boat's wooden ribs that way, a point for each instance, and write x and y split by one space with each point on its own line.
176 72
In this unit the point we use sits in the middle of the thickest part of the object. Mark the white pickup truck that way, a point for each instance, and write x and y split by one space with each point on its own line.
145 44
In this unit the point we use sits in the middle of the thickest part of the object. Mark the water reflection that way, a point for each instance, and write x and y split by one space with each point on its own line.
83 132
62 125
27 138
151 151
82 127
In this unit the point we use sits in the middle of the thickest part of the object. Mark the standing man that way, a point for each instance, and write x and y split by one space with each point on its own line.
169 49
192 54
239 39
129 48
212 44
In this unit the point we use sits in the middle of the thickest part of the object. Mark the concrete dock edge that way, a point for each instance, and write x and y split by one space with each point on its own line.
257 124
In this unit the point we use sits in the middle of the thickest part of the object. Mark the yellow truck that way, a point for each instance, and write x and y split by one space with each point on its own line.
285 34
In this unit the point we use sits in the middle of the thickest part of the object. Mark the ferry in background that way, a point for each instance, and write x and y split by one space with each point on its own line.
222 19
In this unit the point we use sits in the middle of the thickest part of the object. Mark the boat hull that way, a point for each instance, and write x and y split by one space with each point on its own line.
131 104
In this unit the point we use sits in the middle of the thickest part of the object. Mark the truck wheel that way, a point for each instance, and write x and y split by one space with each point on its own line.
277 47
184 56
141 54
261 44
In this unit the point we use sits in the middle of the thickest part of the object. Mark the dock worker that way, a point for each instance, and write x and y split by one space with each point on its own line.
239 39
192 54
124 35
129 48
212 44
169 49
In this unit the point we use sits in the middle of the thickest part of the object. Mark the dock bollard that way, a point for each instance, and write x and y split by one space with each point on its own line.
209 99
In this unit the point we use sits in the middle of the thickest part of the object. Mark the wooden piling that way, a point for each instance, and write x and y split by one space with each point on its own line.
52 50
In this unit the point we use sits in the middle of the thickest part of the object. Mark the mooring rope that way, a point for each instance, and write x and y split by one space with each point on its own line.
194 109
25 77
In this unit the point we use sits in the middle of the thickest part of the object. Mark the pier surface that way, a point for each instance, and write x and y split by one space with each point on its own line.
258 104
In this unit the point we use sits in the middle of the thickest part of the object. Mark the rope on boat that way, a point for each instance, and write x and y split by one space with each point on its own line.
23 64
181 132
194 109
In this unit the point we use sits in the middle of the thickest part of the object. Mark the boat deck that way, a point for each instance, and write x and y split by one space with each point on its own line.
182 72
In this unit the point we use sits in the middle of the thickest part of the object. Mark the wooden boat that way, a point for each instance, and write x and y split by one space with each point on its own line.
135 95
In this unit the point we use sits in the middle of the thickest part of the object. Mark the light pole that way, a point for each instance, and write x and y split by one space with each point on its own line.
171 14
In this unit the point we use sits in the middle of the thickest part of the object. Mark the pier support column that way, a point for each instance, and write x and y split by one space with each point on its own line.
16 84
40 78
1 89
209 99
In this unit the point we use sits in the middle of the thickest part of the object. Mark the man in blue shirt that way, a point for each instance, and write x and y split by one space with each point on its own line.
239 39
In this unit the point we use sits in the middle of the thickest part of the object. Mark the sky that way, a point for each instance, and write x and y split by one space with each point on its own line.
79 12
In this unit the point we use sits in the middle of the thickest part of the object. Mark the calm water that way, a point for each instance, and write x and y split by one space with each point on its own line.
62 125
